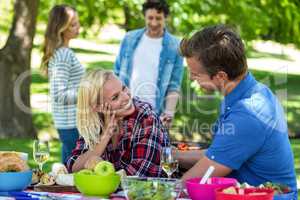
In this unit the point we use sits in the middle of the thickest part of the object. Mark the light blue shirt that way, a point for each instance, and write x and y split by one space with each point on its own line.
170 70
251 136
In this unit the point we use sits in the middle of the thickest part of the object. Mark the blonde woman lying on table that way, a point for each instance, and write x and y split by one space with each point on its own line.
115 127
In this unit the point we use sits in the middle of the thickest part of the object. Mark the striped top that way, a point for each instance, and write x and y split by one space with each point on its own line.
65 73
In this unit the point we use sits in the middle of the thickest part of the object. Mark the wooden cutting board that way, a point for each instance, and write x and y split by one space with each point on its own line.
54 188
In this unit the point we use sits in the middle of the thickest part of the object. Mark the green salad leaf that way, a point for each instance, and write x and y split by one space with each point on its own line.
150 190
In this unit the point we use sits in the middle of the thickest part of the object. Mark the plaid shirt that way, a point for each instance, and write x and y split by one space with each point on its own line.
141 139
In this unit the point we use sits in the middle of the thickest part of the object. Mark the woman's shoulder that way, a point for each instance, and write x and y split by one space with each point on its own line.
142 106
63 50
63 54
145 110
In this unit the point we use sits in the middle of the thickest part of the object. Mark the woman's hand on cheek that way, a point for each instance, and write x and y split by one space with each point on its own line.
110 122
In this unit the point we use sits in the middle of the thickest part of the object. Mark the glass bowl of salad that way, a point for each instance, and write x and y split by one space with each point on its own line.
142 188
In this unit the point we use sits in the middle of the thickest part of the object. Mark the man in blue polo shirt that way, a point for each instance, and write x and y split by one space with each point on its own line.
250 138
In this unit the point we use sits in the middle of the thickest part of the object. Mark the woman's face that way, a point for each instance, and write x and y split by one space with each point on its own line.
72 30
118 97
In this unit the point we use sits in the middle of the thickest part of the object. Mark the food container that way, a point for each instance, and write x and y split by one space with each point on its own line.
96 185
151 188
198 191
15 181
247 194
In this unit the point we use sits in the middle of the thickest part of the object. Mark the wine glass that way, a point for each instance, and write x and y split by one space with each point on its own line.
167 161
41 152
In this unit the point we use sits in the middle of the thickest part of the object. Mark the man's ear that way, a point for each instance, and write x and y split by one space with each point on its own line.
222 76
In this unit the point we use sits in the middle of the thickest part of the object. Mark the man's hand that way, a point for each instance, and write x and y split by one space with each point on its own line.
199 169
166 120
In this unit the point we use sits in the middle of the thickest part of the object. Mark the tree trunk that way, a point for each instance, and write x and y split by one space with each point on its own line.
15 76
126 11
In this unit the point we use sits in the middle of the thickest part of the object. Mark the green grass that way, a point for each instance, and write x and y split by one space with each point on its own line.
252 53
89 51
42 120
296 149
103 64
39 83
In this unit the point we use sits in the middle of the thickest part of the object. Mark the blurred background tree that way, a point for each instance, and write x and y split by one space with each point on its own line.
277 20
15 59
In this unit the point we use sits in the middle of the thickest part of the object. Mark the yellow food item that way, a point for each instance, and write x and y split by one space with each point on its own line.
47 179
230 190
12 162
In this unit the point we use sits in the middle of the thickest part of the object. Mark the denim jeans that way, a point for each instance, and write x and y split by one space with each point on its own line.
68 137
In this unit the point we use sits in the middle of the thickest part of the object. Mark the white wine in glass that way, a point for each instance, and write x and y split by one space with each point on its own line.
167 161
41 152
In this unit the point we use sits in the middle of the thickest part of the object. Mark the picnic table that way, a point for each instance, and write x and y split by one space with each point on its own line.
34 195
63 193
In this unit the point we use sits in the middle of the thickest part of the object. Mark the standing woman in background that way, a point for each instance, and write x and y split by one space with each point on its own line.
64 72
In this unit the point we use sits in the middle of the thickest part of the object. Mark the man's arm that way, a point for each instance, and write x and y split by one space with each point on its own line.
173 92
176 76
117 65
202 165
187 159
170 108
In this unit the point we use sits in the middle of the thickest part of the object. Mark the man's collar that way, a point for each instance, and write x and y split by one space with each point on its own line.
165 36
244 85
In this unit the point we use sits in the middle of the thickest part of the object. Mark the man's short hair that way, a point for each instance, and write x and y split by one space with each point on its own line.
159 5
218 48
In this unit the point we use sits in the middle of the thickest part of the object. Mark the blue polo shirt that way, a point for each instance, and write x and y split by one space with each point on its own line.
251 136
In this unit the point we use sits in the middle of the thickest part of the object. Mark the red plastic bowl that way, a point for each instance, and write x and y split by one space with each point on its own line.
247 194
198 191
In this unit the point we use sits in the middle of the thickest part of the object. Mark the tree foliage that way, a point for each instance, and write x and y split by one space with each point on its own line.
277 20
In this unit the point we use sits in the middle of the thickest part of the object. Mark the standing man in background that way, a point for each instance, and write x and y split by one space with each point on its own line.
149 62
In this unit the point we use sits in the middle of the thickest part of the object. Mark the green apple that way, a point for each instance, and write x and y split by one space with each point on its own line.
86 171
104 168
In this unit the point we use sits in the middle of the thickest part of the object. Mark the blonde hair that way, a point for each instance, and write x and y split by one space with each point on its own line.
59 20
89 122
